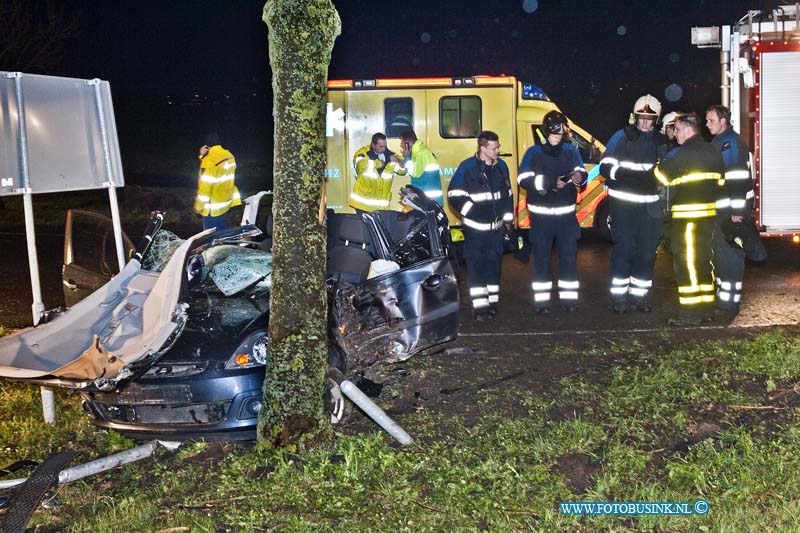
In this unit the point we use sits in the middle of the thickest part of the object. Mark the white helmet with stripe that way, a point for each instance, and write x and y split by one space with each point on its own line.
669 120
647 106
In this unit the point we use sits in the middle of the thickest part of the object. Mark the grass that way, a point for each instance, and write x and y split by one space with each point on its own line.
666 426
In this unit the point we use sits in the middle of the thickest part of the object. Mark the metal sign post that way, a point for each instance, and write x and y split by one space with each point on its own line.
35 113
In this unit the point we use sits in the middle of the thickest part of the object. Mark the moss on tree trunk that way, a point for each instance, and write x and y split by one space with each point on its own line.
301 36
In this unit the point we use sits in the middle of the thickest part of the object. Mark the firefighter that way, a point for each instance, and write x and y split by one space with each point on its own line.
422 166
636 214
375 167
734 208
668 129
216 187
550 173
693 175
481 193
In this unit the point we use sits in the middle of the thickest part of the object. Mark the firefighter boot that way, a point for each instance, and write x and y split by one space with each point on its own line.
693 316
642 305
484 315
619 306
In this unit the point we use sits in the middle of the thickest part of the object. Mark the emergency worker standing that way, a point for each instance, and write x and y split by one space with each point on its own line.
481 192
550 173
375 167
422 166
216 188
735 207
693 175
668 129
636 213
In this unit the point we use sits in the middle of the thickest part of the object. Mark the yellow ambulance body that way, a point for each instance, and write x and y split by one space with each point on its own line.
447 114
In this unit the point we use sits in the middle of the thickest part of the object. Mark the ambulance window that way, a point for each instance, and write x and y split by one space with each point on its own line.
459 117
588 153
399 116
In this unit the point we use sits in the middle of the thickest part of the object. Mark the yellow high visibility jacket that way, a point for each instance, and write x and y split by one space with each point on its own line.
373 187
216 189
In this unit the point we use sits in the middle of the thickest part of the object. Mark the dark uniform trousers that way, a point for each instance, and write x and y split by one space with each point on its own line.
691 243
483 252
565 231
635 232
728 269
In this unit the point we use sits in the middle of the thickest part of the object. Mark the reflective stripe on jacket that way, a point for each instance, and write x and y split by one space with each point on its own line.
423 168
695 177
541 167
482 194
216 187
373 187
628 162
738 193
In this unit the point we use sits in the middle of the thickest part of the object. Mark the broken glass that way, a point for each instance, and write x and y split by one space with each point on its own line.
161 249
234 268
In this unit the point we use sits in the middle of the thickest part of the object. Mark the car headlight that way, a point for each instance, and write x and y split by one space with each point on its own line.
252 352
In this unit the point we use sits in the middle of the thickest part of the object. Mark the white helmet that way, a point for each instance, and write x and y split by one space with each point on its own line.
648 106
669 120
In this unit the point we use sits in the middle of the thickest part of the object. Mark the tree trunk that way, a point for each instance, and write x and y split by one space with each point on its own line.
301 35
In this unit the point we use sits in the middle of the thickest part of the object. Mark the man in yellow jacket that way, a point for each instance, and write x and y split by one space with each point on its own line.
216 188
375 167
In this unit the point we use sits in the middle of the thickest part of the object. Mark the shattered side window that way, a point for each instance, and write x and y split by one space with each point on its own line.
161 249
234 268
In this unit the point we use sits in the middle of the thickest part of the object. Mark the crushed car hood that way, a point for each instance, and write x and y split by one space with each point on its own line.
136 314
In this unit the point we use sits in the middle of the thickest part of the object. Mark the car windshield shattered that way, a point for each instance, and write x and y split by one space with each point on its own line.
175 344
229 267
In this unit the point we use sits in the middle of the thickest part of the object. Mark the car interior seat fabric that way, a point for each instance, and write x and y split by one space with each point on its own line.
399 224
349 258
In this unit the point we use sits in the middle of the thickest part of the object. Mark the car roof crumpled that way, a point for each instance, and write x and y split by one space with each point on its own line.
132 315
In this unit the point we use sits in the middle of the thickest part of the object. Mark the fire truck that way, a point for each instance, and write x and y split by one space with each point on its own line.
447 114
760 58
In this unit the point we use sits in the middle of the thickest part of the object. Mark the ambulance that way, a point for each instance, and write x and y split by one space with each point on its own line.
760 58
447 114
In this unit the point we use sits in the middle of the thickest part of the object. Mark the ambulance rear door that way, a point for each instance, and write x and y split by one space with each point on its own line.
388 111
455 118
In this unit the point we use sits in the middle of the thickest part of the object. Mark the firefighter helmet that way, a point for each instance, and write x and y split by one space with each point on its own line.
554 122
647 106
669 120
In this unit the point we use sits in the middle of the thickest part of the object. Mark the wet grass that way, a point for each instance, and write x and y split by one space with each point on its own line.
713 420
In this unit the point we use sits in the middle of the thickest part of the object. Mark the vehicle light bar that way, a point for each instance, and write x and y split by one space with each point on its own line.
388 83
340 84
417 82
494 80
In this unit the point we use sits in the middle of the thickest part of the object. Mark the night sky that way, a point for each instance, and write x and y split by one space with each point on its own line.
594 58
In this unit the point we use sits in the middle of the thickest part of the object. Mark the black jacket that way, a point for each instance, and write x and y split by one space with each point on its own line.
694 175
541 167
482 194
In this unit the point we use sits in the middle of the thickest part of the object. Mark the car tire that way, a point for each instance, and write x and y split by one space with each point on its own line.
602 221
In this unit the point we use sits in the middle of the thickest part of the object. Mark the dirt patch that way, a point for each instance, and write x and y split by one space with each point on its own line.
703 430
578 470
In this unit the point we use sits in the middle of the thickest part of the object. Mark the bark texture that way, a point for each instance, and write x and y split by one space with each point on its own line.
301 36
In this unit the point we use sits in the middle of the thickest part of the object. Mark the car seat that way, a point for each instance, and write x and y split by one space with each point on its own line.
349 257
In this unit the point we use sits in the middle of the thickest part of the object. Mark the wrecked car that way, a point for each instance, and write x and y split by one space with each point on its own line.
175 345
